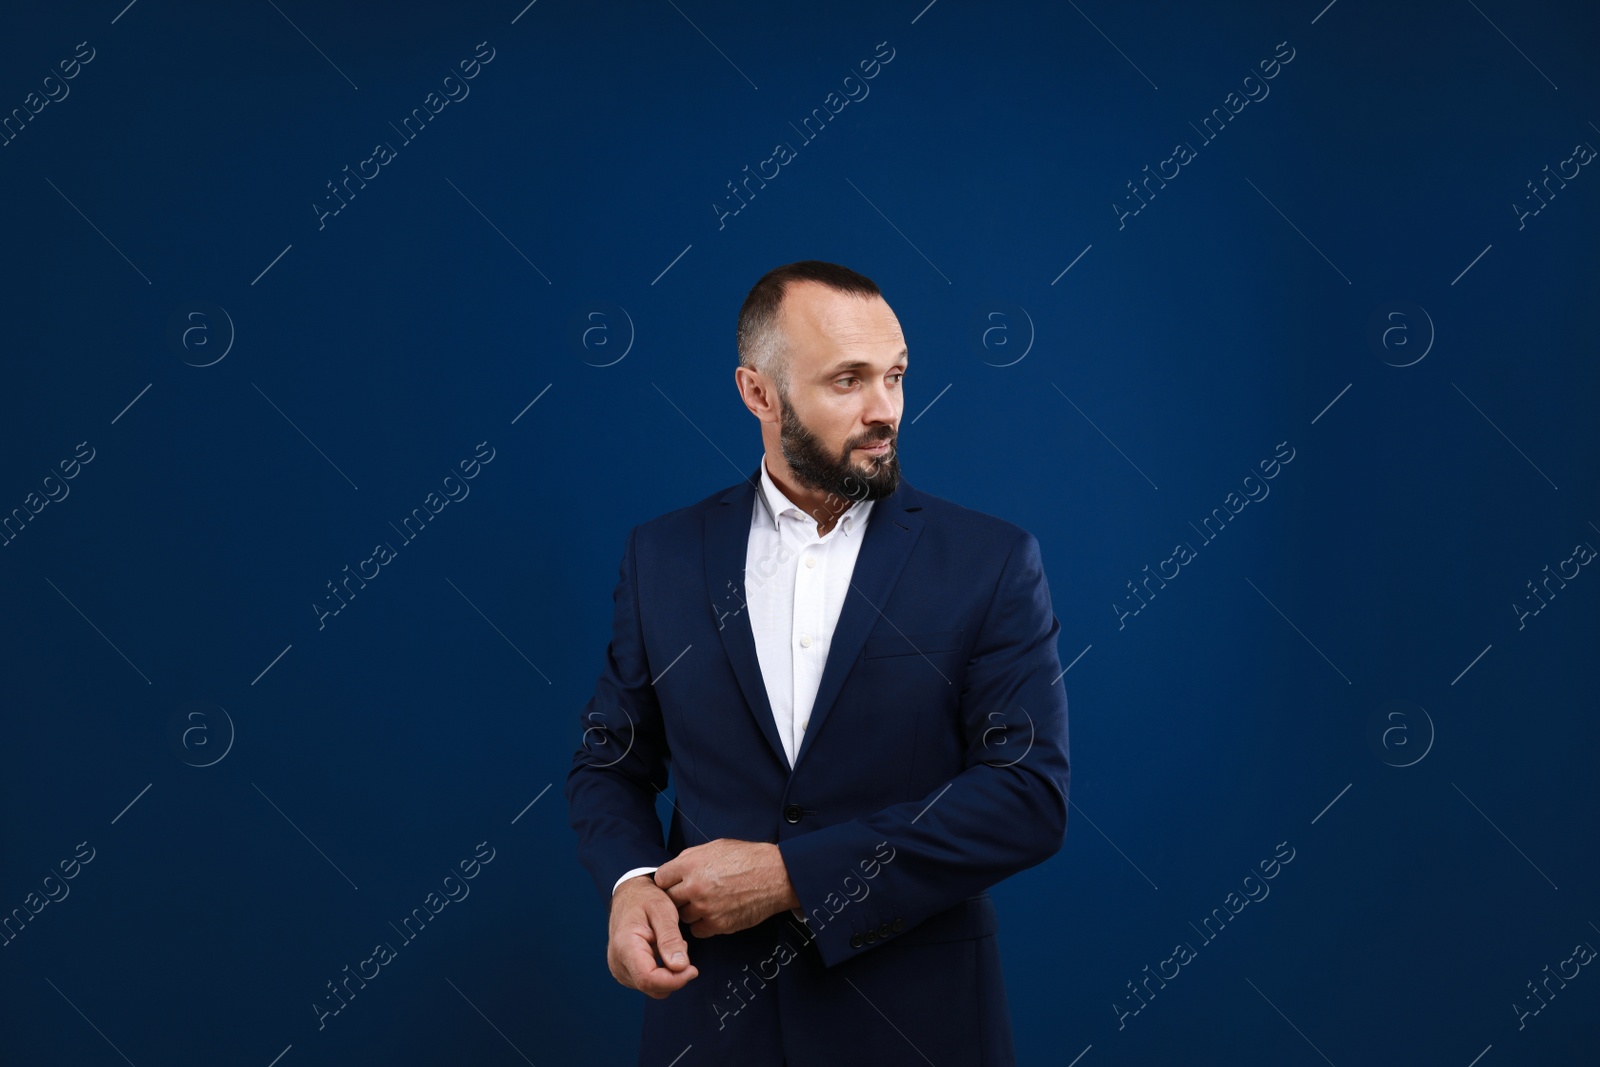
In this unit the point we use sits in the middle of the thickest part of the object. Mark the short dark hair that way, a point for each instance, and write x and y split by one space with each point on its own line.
760 342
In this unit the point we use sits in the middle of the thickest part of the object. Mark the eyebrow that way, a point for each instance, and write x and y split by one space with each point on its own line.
857 364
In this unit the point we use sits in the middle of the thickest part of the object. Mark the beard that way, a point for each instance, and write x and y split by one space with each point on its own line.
819 470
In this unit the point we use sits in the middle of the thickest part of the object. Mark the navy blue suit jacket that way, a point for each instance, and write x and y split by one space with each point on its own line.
933 766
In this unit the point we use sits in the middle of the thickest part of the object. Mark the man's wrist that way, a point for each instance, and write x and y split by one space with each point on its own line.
627 887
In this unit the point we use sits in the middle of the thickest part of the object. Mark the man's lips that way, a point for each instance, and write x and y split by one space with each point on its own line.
876 449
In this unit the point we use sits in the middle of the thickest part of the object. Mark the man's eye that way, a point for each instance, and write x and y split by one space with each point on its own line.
852 379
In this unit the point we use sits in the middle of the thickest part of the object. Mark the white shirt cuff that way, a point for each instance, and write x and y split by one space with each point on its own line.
631 874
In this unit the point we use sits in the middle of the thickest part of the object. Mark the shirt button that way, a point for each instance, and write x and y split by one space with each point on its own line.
811 561
805 640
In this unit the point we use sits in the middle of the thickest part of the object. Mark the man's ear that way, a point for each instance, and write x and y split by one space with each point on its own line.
757 394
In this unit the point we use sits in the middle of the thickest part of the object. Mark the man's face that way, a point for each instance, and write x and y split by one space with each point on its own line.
846 359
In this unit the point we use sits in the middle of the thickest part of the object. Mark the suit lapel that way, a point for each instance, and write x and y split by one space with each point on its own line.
893 527
727 542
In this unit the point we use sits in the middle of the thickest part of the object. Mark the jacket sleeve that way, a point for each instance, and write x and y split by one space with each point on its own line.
1004 812
622 761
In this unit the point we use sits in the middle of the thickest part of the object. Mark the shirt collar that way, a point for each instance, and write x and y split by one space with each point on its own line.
776 503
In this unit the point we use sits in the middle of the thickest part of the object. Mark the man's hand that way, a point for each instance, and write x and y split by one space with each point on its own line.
644 925
727 885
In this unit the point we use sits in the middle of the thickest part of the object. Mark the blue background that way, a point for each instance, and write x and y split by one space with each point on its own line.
1344 669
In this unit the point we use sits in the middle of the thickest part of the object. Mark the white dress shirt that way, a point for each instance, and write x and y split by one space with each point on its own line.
794 587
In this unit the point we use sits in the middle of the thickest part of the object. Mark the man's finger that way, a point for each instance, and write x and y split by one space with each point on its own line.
674 950
638 958
644 974
661 983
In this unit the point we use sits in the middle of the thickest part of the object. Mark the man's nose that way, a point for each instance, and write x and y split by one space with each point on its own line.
880 406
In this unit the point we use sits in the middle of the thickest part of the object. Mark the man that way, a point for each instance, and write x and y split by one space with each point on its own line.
856 688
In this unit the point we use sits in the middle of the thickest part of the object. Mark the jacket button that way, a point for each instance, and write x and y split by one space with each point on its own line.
885 930
792 813
872 935
897 925
855 941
